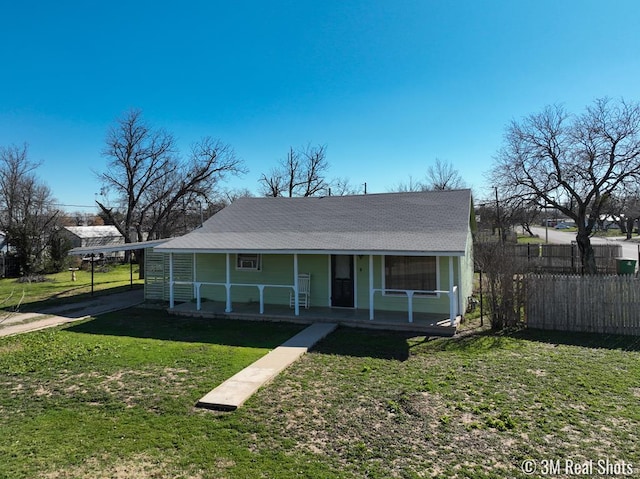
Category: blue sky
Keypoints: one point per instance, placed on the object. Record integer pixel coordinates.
(388, 86)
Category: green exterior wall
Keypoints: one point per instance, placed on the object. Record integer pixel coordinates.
(275, 270)
(468, 271)
(278, 270)
(389, 302)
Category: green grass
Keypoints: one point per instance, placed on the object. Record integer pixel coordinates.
(59, 287)
(527, 239)
(612, 232)
(114, 397)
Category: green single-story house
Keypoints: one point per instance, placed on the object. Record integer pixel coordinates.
(408, 253)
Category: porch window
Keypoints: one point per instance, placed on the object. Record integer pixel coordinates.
(411, 272)
(248, 262)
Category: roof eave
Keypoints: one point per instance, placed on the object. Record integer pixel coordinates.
(308, 252)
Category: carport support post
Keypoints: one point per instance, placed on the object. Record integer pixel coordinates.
(92, 268)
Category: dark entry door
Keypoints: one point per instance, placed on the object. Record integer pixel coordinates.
(342, 284)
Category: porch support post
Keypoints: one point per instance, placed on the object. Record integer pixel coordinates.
(370, 287)
(410, 306)
(261, 290)
(452, 305)
(227, 283)
(296, 298)
(355, 281)
(452, 298)
(198, 298)
(171, 298)
(195, 276)
(460, 298)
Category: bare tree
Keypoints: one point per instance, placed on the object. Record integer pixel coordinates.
(502, 274)
(440, 176)
(153, 186)
(573, 163)
(28, 216)
(623, 209)
(228, 196)
(443, 176)
(342, 187)
(302, 173)
(410, 186)
(273, 183)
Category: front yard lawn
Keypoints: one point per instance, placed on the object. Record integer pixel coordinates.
(58, 288)
(114, 397)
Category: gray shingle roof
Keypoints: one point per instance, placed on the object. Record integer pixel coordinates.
(423, 222)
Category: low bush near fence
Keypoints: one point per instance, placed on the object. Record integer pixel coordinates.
(598, 304)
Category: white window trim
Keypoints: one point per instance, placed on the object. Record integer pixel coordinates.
(401, 295)
(259, 265)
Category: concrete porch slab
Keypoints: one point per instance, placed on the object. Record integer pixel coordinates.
(424, 323)
(232, 393)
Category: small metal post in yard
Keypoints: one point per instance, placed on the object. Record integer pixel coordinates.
(92, 268)
(130, 272)
(546, 230)
(481, 302)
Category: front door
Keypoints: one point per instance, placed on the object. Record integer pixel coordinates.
(342, 284)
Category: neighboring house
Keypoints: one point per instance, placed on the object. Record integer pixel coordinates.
(400, 252)
(93, 236)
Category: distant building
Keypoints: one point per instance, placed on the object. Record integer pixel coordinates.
(86, 236)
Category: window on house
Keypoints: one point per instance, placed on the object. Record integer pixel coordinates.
(250, 262)
(411, 272)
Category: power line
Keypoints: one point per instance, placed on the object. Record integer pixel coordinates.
(74, 206)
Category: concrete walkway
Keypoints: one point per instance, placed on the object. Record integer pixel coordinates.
(232, 393)
(24, 322)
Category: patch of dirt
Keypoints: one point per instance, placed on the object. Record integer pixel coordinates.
(17, 389)
(11, 348)
(140, 466)
(131, 387)
(43, 392)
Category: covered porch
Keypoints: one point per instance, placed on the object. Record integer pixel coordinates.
(203, 286)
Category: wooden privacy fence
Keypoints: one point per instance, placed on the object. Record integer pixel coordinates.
(564, 258)
(598, 304)
(553, 258)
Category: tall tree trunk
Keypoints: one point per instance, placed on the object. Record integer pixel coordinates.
(629, 225)
(140, 259)
(586, 252)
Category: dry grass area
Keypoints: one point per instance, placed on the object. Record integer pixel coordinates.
(470, 407)
(114, 398)
(140, 466)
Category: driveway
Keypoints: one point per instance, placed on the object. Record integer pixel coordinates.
(11, 323)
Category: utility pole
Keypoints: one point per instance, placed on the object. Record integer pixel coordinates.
(498, 216)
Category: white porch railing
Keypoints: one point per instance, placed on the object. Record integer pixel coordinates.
(228, 286)
(452, 294)
(453, 300)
